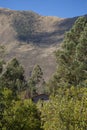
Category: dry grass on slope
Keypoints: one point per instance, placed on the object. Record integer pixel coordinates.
(47, 34)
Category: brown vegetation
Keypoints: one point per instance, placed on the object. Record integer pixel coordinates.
(48, 34)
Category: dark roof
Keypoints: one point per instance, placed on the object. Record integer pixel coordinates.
(43, 97)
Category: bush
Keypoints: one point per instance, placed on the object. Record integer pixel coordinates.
(66, 111)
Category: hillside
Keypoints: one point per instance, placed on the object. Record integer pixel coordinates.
(32, 38)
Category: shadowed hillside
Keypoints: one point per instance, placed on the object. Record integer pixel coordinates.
(32, 38)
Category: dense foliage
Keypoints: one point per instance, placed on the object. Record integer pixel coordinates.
(36, 81)
(67, 106)
(72, 57)
(19, 115)
(16, 113)
(66, 111)
(13, 77)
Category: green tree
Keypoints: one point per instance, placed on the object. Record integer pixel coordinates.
(71, 70)
(66, 111)
(13, 77)
(5, 104)
(37, 73)
(81, 55)
(35, 79)
(23, 115)
(2, 104)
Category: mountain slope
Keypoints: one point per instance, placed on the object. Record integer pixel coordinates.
(32, 38)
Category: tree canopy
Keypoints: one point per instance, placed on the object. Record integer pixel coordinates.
(66, 111)
(72, 57)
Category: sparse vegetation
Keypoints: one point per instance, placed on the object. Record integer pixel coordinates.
(25, 25)
(49, 33)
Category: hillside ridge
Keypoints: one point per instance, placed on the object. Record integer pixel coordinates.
(32, 38)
